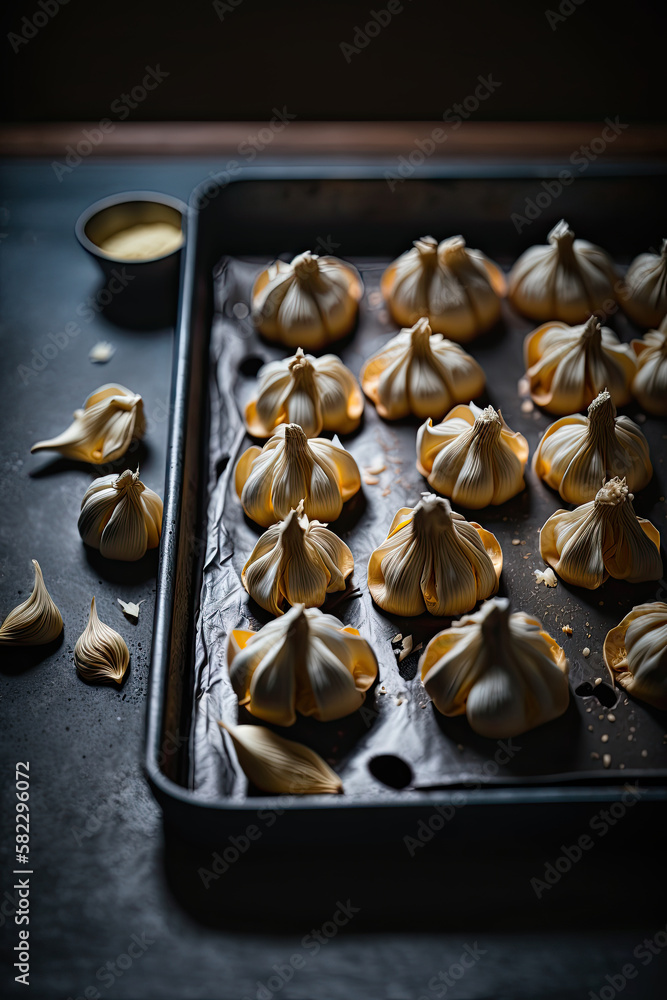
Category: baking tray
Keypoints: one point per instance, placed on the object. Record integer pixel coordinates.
(233, 230)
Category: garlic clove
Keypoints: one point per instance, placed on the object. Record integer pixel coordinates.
(280, 766)
(130, 609)
(121, 517)
(101, 654)
(36, 621)
(650, 383)
(644, 296)
(111, 418)
(635, 652)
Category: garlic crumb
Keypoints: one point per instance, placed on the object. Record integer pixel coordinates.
(644, 753)
(606, 760)
(604, 738)
(591, 728)
(585, 651)
(567, 629)
(611, 717)
(102, 352)
(598, 680)
(546, 576)
(595, 755)
(516, 541)
(370, 480)
(375, 470)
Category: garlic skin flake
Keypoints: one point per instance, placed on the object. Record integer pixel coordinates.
(101, 654)
(419, 372)
(280, 766)
(567, 279)
(501, 670)
(121, 517)
(568, 366)
(457, 289)
(578, 453)
(305, 662)
(36, 622)
(636, 653)
(309, 302)
(316, 393)
(111, 418)
(472, 456)
(602, 538)
(270, 481)
(650, 383)
(434, 560)
(644, 296)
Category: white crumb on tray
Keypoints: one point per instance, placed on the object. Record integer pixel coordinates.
(102, 352)
(546, 576)
(130, 609)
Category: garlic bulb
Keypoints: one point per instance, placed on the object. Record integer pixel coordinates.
(567, 279)
(434, 560)
(296, 561)
(316, 393)
(644, 296)
(650, 383)
(101, 654)
(457, 289)
(311, 301)
(502, 670)
(602, 538)
(280, 766)
(272, 480)
(35, 622)
(305, 662)
(102, 431)
(636, 653)
(568, 366)
(420, 373)
(121, 517)
(472, 456)
(579, 453)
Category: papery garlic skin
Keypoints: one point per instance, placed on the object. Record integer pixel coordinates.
(296, 561)
(457, 289)
(501, 670)
(305, 662)
(309, 302)
(472, 457)
(636, 653)
(420, 373)
(36, 621)
(567, 279)
(316, 393)
(578, 453)
(434, 560)
(111, 418)
(121, 517)
(101, 654)
(270, 481)
(650, 383)
(644, 296)
(280, 766)
(568, 366)
(602, 538)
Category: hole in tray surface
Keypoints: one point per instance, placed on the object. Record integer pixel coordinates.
(603, 692)
(390, 770)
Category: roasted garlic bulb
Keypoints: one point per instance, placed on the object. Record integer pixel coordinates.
(101, 654)
(289, 468)
(472, 456)
(457, 289)
(319, 394)
(310, 302)
(434, 560)
(636, 653)
(296, 561)
(567, 279)
(419, 372)
(280, 766)
(644, 295)
(568, 366)
(579, 453)
(602, 538)
(305, 662)
(121, 517)
(502, 670)
(111, 418)
(35, 622)
(650, 383)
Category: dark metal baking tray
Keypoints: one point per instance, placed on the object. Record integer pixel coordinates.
(360, 216)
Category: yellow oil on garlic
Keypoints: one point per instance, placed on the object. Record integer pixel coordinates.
(143, 241)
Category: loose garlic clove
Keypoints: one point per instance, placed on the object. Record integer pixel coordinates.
(650, 383)
(600, 539)
(312, 301)
(36, 622)
(418, 372)
(121, 517)
(316, 393)
(280, 766)
(644, 296)
(272, 480)
(457, 289)
(501, 670)
(102, 431)
(472, 457)
(636, 653)
(568, 366)
(305, 662)
(566, 280)
(296, 561)
(434, 560)
(101, 654)
(577, 453)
